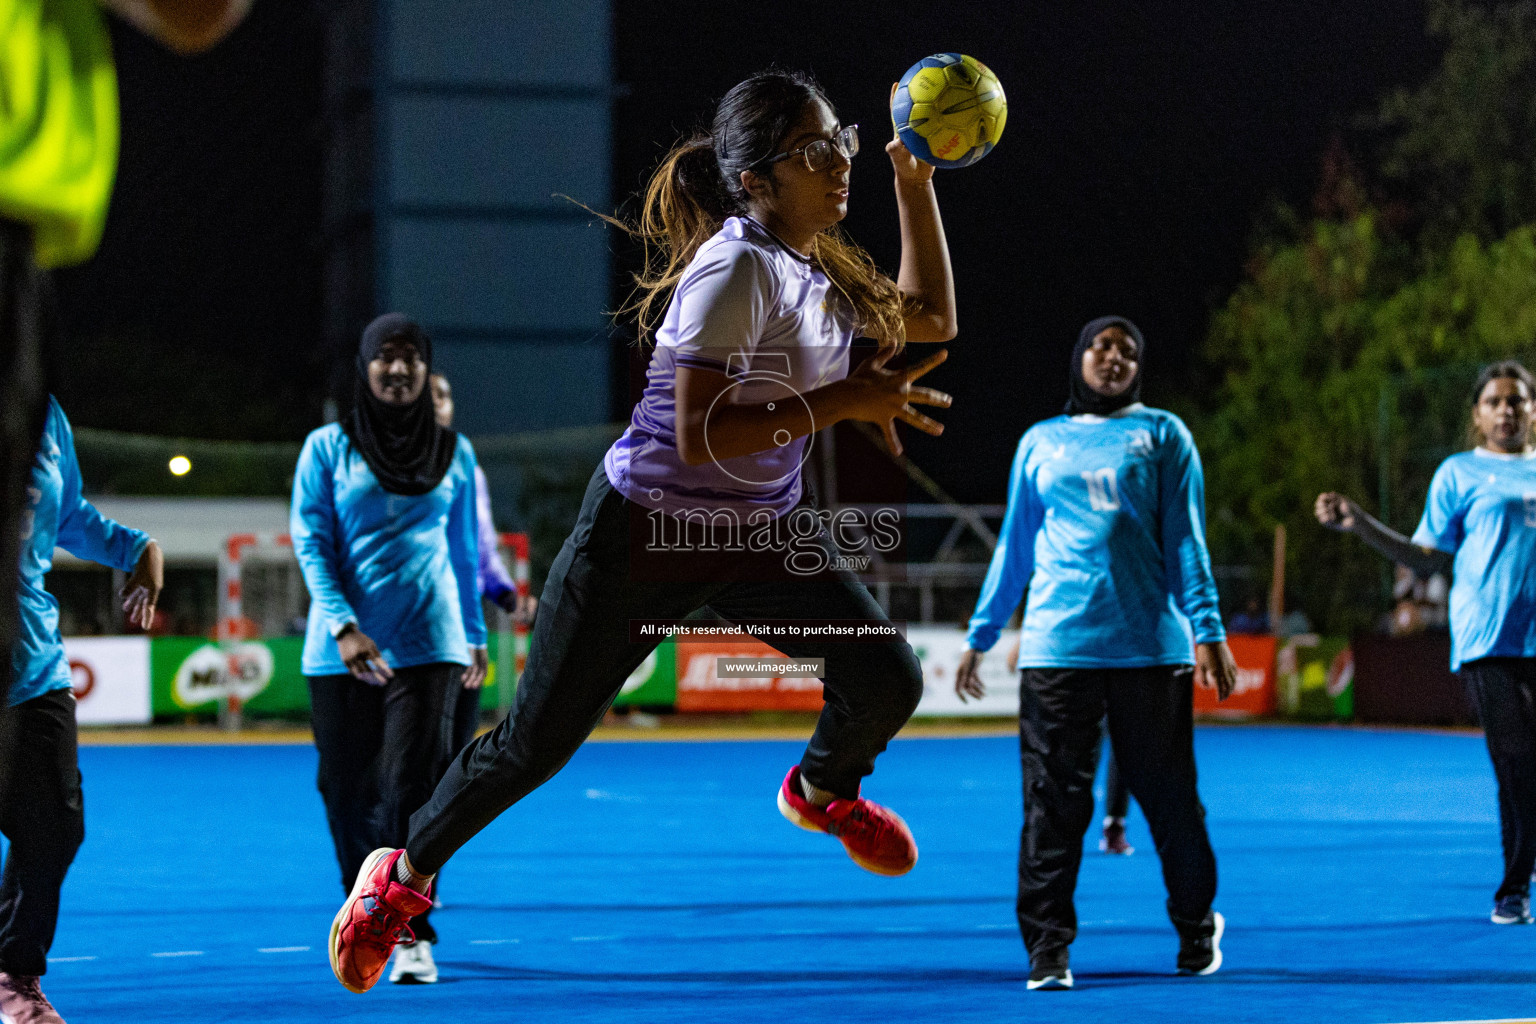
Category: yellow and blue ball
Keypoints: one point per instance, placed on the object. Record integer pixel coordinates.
(949, 110)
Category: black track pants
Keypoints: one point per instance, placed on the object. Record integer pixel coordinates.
(1151, 727)
(583, 651)
(42, 813)
(1505, 692)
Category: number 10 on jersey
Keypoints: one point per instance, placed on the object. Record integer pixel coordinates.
(1102, 493)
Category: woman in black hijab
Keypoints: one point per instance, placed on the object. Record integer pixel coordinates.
(1112, 394)
(1105, 536)
(393, 423)
(383, 525)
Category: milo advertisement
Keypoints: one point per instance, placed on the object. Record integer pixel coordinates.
(190, 675)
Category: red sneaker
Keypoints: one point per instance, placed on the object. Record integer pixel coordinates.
(372, 920)
(874, 836)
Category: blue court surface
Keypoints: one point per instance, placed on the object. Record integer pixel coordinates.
(655, 881)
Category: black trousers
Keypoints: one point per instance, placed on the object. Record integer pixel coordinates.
(1505, 692)
(28, 332)
(42, 813)
(1150, 712)
(466, 718)
(1117, 795)
(382, 749)
(582, 652)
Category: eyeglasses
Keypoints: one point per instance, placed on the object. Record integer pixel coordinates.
(818, 154)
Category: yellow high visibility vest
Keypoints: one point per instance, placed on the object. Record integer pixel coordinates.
(58, 124)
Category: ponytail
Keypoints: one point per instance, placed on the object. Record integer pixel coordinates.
(685, 203)
(697, 186)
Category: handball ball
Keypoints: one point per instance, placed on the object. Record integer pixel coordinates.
(949, 110)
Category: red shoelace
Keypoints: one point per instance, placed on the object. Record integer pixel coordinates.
(384, 926)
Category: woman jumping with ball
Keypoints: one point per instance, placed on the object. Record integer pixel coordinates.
(1480, 519)
(763, 299)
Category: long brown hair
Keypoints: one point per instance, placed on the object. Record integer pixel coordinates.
(698, 185)
(1510, 369)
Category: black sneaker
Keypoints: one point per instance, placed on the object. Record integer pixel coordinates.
(1512, 909)
(1049, 969)
(1200, 945)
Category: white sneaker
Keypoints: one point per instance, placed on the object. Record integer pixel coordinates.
(413, 965)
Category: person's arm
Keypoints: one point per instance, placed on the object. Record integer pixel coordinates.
(1186, 560)
(722, 311)
(313, 528)
(925, 279)
(1337, 512)
(711, 430)
(491, 576)
(186, 26)
(464, 557)
(85, 533)
(1013, 562)
(315, 533)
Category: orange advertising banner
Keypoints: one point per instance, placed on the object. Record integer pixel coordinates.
(700, 688)
(1255, 692)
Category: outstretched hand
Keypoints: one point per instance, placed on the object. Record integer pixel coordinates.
(522, 607)
(908, 167)
(881, 396)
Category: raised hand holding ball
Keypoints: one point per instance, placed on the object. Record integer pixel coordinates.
(949, 110)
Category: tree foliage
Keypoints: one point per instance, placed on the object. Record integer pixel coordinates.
(1463, 144)
(1345, 372)
(1347, 354)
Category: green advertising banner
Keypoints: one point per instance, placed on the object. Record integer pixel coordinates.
(654, 683)
(1316, 678)
(190, 675)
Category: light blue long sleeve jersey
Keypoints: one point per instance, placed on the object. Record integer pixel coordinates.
(1481, 508)
(57, 515)
(1106, 529)
(402, 567)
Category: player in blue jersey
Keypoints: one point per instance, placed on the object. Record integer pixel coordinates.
(763, 299)
(492, 579)
(42, 808)
(1480, 521)
(383, 525)
(1105, 533)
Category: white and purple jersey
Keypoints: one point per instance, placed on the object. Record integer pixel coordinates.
(752, 308)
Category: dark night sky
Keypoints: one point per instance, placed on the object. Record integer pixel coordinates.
(1143, 139)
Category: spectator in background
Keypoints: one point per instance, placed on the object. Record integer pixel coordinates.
(42, 808)
(1252, 619)
(1480, 521)
(1421, 603)
(1293, 623)
(383, 526)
